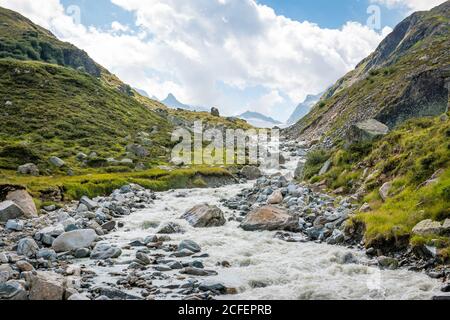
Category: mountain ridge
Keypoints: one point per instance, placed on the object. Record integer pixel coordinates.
(405, 77)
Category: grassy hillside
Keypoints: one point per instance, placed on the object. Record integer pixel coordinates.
(55, 101)
(48, 110)
(23, 40)
(405, 77)
(415, 158)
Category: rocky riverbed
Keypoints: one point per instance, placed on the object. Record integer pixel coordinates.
(267, 238)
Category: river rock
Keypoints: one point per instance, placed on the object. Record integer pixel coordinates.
(275, 198)
(24, 201)
(251, 172)
(169, 228)
(27, 247)
(189, 245)
(73, 240)
(143, 258)
(90, 204)
(14, 225)
(24, 266)
(270, 218)
(12, 290)
(46, 254)
(109, 226)
(103, 251)
(9, 210)
(198, 272)
(384, 190)
(428, 227)
(387, 262)
(47, 286)
(204, 216)
(29, 169)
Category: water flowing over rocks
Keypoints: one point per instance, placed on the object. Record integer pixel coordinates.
(240, 241)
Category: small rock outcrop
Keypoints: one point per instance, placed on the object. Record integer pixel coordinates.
(215, 112)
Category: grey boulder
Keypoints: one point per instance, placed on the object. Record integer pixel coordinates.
(204, 216)
(74, 240)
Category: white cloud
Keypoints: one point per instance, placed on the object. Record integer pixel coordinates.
(267, 102)
(188, 46)
(116, 26)
(411, 5)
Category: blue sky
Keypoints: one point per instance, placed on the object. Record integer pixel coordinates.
(237, 55)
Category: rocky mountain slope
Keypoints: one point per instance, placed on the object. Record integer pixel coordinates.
(303, 108)
(407, 76)
(382, 138)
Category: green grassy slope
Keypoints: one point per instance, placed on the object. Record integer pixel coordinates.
(23, 40)
(408, 157)
(48, 110)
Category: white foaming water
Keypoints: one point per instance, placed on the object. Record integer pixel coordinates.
(263, 267)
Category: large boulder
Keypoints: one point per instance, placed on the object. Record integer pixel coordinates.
(428, 227)
(251, 172)
(73, 240)
(215, 112)
(204, 216)
(24, 201)
(9, 210)
(270, 218)
(29, 168)
(47, 286)
(367, 131)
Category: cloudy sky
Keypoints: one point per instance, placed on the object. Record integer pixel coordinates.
(238, 55)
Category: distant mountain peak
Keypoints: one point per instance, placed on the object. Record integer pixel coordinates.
(172, 102)
(304, 108)
(258, 119)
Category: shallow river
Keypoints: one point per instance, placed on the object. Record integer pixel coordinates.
(263, 267)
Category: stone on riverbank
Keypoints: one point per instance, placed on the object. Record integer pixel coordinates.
(24, 201)
(73, 240)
